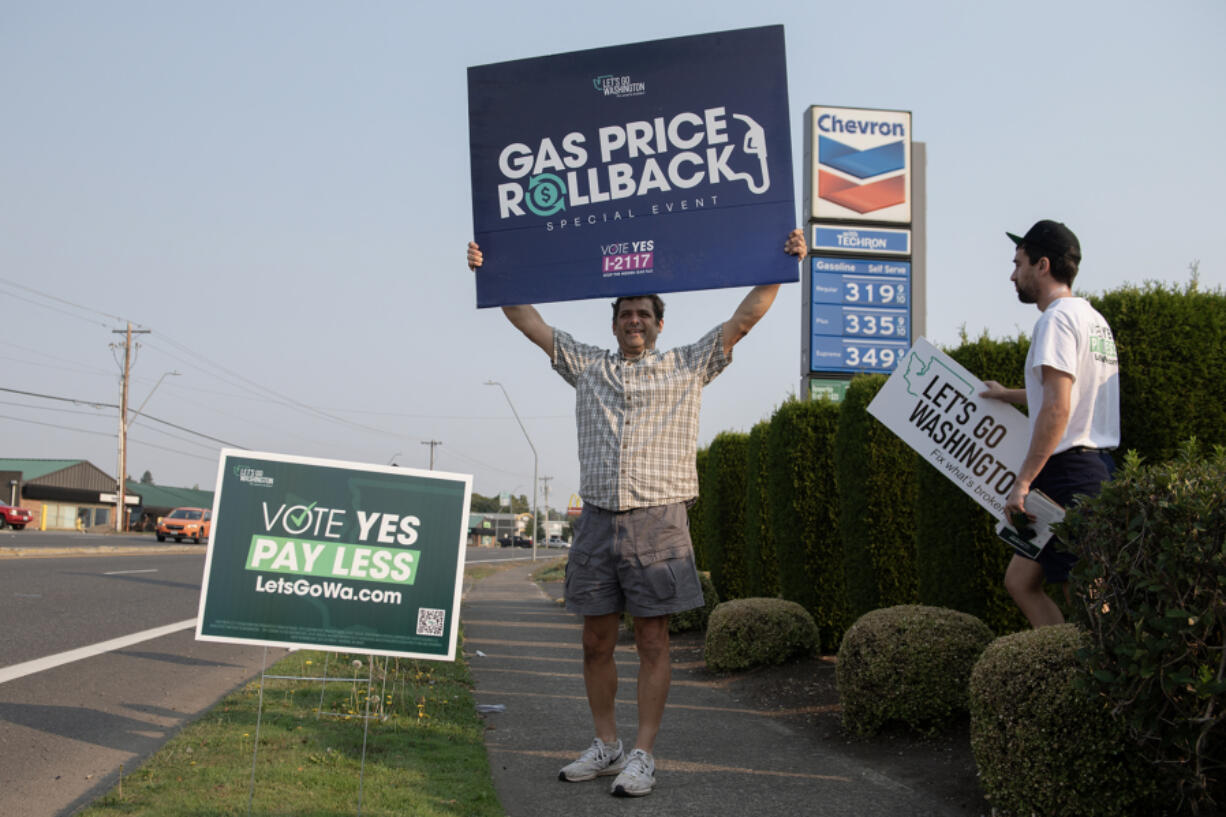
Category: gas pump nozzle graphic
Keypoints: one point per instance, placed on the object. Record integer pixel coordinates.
(754, 145)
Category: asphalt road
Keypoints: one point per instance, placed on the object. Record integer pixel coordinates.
(65, 729)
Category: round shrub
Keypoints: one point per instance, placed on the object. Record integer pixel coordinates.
(750, 632)
(908, 663)
(1040, 745)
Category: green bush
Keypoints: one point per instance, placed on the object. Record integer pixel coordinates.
(959, 558)
(696, 619)
(1041, 745)
(1152, 579)
(746, 633)
(694, 512)
(908, 663)
(723, 536)
(1172, 351)
(804, 508)
(761, 568)
(875, 471)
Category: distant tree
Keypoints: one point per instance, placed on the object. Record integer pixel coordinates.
(483, 504)
(146, 478)
(492, 504)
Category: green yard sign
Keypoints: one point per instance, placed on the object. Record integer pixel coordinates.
(336, 556)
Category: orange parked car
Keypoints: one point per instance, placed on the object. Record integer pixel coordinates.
(185, 523)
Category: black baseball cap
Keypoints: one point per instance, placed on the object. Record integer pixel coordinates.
(1052, 236)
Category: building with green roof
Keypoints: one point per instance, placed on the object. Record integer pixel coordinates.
(78, 495)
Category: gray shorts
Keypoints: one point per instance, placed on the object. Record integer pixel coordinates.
(639, 561)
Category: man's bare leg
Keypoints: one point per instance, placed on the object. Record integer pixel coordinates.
(1024, 581)
(600, 672)
(655, 676)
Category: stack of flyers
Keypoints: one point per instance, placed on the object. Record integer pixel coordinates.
(1031, 538)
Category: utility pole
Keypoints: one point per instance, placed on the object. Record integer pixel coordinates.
(121, 477)
(545, 485)
(431, 443)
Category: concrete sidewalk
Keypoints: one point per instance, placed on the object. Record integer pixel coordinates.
(713, 756)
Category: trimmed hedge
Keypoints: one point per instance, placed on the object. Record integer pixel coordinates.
(761, 566)
(804, 509)
(908, 663)
(1043, 747)
(876, 482)
(960, 560)
(695, 513)
(747, 633)
(1172, 350)
(1153, 587)
(723, 537)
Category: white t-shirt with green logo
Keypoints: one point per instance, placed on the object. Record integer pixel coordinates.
(1071, 336)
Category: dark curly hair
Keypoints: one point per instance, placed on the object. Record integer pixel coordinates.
(657, 303)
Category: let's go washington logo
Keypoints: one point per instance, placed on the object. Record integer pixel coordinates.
(252, 476)
(613, 85)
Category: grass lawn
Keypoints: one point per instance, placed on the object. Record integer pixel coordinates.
(554, 571)
(425, 753)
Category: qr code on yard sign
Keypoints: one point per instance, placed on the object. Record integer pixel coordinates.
(430, 621)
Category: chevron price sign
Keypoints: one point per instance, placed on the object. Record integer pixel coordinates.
(864, 280)
(862, 170)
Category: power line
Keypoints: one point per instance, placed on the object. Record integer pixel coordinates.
(276, 397)
(50, 408)
(74, 400)
(171, 450)
(73, 365)
(60, 300)
(53, 425)
(482, 463)
(252, 388)
(115, 406)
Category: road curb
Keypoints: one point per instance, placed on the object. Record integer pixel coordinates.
(98, 550)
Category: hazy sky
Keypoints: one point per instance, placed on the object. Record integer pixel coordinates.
(279, 192)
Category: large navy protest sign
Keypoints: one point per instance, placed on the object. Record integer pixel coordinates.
(336, 556)
(933, 404)
(653, 167)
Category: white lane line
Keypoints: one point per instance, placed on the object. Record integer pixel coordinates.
(51, 661)
(126, 572)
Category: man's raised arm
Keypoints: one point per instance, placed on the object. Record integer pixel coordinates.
(760, 298)
(525, 318)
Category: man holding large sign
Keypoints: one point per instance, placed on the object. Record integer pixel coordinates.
(646, 168)
(637, 416)
(1072, 389)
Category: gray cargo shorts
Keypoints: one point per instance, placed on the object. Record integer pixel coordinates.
(639, 561)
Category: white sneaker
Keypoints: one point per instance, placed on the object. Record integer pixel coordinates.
(637, 778)
(598, 760)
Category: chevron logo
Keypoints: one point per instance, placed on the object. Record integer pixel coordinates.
(862, 164)
(863, 198)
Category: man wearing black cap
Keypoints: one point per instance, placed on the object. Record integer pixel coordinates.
(1072, 389)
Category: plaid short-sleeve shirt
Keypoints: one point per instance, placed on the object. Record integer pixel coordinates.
(638, 418)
